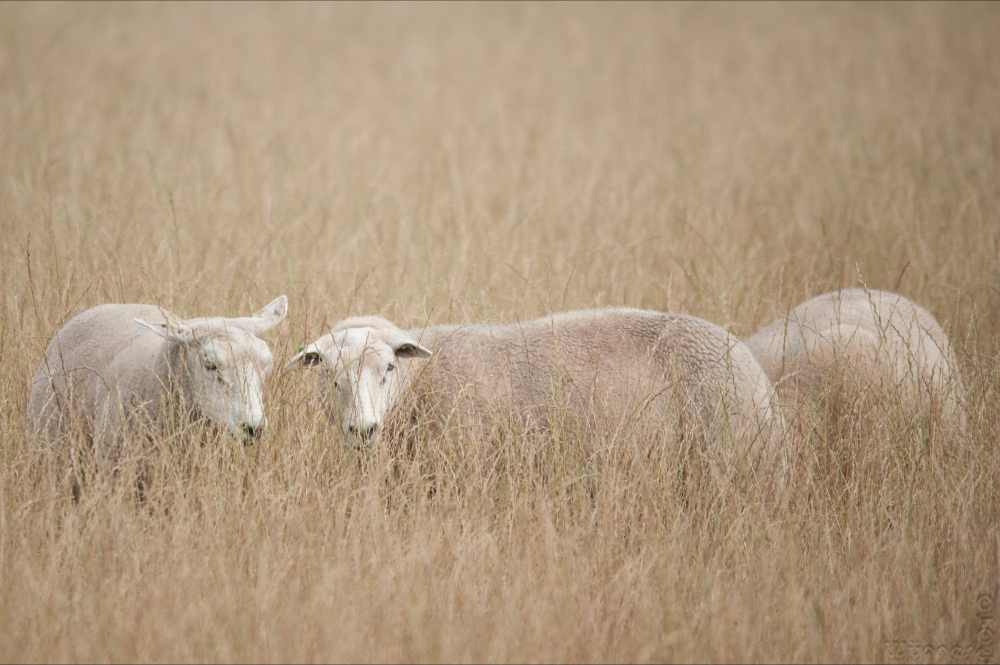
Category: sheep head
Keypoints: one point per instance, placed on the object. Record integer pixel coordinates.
(362, 372)
(225, 365)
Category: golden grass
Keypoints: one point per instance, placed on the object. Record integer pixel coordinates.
(492, 163)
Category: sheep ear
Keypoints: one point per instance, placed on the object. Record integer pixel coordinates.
(304, 359)
(407, 348)
(267, 318)
(174, 331)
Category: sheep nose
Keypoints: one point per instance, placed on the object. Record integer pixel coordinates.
(253, 433)
(364, 433)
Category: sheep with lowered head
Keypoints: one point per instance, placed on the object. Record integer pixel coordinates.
(846, 345)
(601, 368)
(116, 365)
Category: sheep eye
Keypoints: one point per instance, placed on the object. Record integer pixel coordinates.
(392, 366)
(210, 366)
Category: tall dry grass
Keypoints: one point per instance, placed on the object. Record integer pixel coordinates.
(492, 163)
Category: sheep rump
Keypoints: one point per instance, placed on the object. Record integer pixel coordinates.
(852, 344)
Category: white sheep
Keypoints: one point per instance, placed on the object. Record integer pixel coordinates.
(114, 366)
(857, 342)
(599, 367)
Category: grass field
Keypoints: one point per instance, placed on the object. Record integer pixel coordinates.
(493, 163)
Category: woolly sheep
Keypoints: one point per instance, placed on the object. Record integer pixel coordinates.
(857, 341)
(115, 364)
(599, 364)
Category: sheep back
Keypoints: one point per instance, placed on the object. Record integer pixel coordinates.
(99, 366)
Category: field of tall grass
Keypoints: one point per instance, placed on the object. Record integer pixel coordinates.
(494, 163)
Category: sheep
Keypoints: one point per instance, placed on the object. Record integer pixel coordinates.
(855, 343)
(116, 366)
(601, 367)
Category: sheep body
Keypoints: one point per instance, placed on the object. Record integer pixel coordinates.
(857, 342)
